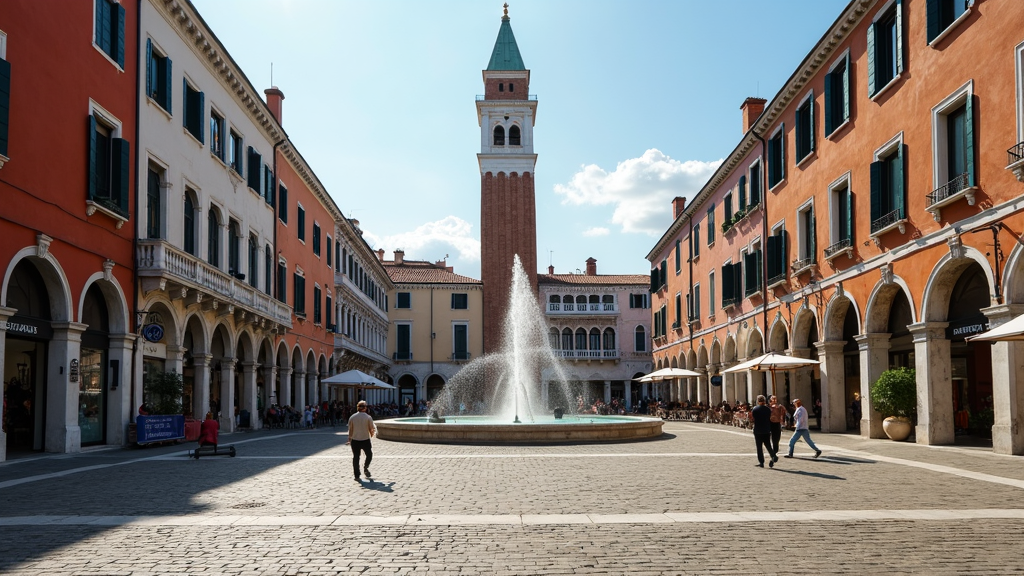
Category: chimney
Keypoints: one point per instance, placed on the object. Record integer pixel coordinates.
(752, 108)
(591, 267)
(551, 270)
(380, 254)
(399, 256)
(274, 99)
(678, 203)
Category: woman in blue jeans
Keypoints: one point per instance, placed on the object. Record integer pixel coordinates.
(800, 417)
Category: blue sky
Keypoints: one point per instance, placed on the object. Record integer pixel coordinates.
(638, 102)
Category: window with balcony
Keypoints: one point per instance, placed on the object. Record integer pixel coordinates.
(213, 237)
(460, 342)
(109, 33)
(608, 339)
(403, 300)
(194, 110)
(775, 246)
(254, 261)
(943, 14)
(460, 301)
(553, 338)
(804, 128)
(776, 159)
(595, 339)
(640, 339)
(885, 47)
(807, 245)
(608, 303)
(581, 339)
(158, 76)
(566, 339)
(953, 150)
(403, 341)
(189, 236)
(154, 201)
(888, 200)
(217, 135)
(837, 94)
(841, 220)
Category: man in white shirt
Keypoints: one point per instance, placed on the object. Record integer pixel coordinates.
(360, 429)
(800, 418)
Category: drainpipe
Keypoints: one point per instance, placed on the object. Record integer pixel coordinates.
(135, 227)
(431, 329)
(689, 263)
(277, 202)
(764, 242)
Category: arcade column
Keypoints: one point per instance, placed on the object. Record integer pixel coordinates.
(874, 359)
(934, 383)
(1007, 383)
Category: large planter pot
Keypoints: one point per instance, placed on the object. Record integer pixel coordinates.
(897, 428)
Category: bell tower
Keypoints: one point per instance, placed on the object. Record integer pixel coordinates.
(508, 212)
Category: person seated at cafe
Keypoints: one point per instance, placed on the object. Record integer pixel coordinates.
(208, 431)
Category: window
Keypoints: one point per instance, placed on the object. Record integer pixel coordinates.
(213, 238)
(727, 207)
(109, 33)
(732, 283)
(581, 339)
(755, 184)
(235, 151)
(566, 339)
(807, 236)
(234, 248)
(268, 269)
(403, 341)
(639, 301)
(329, 312)
(776, 160)
(513, 136)
(741, 201)
(268, 185)
(695, 303)
(841, 220)
(403, 300)
(837, 94)
(109, 165)
(299, 298)
(329, 250)
(511, 87)
(885, 47)
(282, 281)
(888, 201)
(679, 310)
(193, 114)
(301, 222)
(154, 200)
(254, 179)
(595, 339)
(460, 301)
(776, 249)
(282, 204)
(640, 339)
(338, 256)
(217, 135)
(679, 256)
(805, 128)
(158, 76)
(316, 238)
(189, 224)
(752, 272)
(608, 339)
(711, 294)
(316, 304)
(254, 261)
(695, 241)
(499, 135)
(953, 149)
(711, 225)
(460, 342)
(942, 14)
(501, 86)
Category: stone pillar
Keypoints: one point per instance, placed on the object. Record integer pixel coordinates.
(119, 395)
(702, 387)
(5, 314)
(833, 387)
(874, 359)
(270, 384)
(227, 394)
(607, 391)
(800, 378)
(248, 400)
(201, 385)
(62, 432)
(645, 390)
(1007, 385)
(627, 391)
(299, 381)
(715, 392)
(934, 383)
(311, 387)
(323, 389)
(284, 377)
(175, 360)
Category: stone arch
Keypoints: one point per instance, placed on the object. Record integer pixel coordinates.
(944, 275)
(755, 343)
(113, 296)
(876, 316)
(702, 356)
(228, 335)
(56, 281)
(729, 350)
(716, 351)
(171, 323)
(778, 335)
(283, 358)
(673, 363)
(691, 360)
(1013, 276)
(196, 327)
(246, 349)
(835, 316)
(805, 324)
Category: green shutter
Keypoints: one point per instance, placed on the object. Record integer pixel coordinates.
(5, 104)
(877, 172)
(199, 117)
(727, 283)
(782, 156)
(969, 138)
(121, 164)
(93, 172)
(743, 193)
(812, 237)
(811, 127)
(150, 72)
(98, 17)
(105, 38)
(934, 23)
(760, 268)
(773, 252)
(829, 79)
(849, 214)
(846, 89)
(119, 52)
(168, 82)
(253, 175)
(898, 196)
(783, 259)
(899, 36)
(799, 127)
(871, 60)
(184, 102)
(737, 277)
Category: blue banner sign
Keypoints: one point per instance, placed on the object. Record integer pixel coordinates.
(159, 428)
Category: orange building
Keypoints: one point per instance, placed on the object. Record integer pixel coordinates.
(889, 230)
(66, 153)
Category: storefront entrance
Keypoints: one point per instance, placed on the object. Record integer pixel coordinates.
(24, 393)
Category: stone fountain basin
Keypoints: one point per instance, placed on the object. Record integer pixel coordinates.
(486, 430)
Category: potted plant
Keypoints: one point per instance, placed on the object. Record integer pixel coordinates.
(163, 391)
(894, 395)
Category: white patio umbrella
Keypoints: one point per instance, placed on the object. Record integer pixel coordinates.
(771, 362)
(668, 374)
(1012, 330)
(357, 379)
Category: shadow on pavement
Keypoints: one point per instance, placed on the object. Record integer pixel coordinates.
(378, 486)
(814, 474)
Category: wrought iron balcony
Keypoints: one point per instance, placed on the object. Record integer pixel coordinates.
(881, 224)
(587, 354)
(1015, 157)
(164, 267)
(727, 302)
(601, 308)
(958, 187)
(844, 245)
(777, 279)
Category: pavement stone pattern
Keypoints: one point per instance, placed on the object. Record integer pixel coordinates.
(691, 502)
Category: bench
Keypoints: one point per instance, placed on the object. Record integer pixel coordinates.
(209, 450)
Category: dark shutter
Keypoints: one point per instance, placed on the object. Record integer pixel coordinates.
(871, 60)
(5, 104)
(282, 204)
(119, 53)
(727, 284)
(150, 68)
(812, 238)
(168, 82)
(829, 80)
(743, 193)
(968, 138)
(654, 280)
(934, 21)
(899, 198)
(810, 129)
(799, 128)
(121, 163)
(849, 215)
(877, 174)
(737, 277)
(93, 169)
(184, 102)
(846, 88)
(255, 163)
(199, 118)
(98, 17)
(783, 255)
(773, 256)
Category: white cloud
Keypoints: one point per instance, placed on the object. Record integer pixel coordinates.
(641, 189)
(597, 231)
(432, 241)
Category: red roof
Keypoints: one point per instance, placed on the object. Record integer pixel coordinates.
(419, 272)
(595, 280)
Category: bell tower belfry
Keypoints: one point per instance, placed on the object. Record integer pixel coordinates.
(508, 212)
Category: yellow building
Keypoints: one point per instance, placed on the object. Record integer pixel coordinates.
(436, 325)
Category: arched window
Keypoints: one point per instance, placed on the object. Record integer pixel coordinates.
(553, 338)
(640, 345)
(567, 305)
(554, 303)
(511, 87)
(189, 242)
(595, 339)
(501, 86)
(566, 339)
(499, 135)
(581, 339)
(213, 238)
(581, 303)
(609, 339)
(567, 299)
(554, 299)
(513, 136)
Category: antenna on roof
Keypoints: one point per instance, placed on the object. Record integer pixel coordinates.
(271, 73)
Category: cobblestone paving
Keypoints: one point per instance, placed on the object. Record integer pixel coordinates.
(287, 505)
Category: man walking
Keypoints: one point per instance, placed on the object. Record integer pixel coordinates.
(778, 417)
(360, 429)
(763, 432)
(800, 418)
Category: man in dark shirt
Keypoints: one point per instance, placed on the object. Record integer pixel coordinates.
(762, 416)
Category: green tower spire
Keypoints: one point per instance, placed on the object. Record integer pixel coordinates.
(506, 52)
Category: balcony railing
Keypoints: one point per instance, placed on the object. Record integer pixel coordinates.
(591, 308)
(886, 221)
(844, 244)
(727, 302)
(777, 279)
(802, 263)
(954, 186)
(460, 356)
(1015, 154)
(587, 354)
(157, 259)
(480, 97)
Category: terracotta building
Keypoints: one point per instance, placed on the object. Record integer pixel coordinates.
(887, 230)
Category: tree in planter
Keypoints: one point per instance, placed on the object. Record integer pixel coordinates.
(163, 391)
(894, 395)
